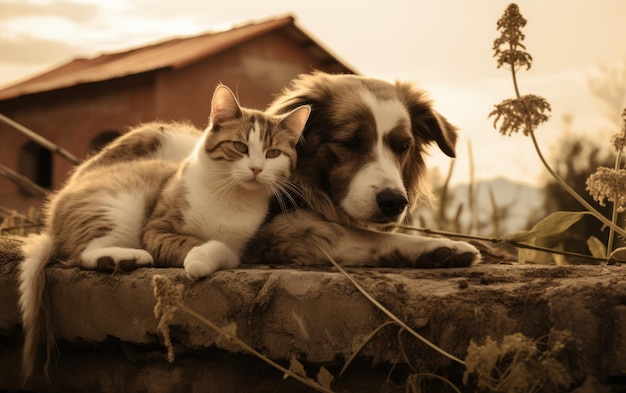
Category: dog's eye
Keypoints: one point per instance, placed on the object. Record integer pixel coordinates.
(350, 143)
(353, 142)
(240, 147)
(403, 147)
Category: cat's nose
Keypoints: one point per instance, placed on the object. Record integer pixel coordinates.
(256, 170)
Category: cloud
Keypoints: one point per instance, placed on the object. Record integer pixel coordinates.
(76, 12)
(29, 50)
(37, 34)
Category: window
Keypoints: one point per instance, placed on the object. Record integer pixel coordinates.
(35, 162)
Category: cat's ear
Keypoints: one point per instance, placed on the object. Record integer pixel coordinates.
(224, 106)
(296, 119)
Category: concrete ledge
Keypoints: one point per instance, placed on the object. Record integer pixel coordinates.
(318, 316)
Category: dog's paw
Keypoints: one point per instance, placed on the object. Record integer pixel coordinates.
(449, 254)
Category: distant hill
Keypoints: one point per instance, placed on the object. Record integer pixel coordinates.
(516, 203)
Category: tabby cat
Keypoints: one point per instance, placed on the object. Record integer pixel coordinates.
(121, 213)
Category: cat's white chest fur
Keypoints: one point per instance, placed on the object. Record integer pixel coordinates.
(217, 213)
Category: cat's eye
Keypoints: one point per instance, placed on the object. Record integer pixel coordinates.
(272, 153)
(240, 147)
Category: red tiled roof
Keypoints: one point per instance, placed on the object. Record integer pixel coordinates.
(175, 53)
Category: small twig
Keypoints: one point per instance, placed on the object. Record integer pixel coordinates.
(360, 348)
(40, 140)
(22, 181)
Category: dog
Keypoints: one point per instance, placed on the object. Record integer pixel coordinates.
(360, 173)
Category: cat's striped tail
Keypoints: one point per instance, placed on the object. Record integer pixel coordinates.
(34, 302)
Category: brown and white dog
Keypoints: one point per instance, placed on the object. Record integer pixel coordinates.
(360, 171)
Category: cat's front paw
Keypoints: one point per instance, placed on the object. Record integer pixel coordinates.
(197, 269)
(111, 259)
(206, 259)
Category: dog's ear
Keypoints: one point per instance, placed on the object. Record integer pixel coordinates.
(442, 132)
(306, 89)
(314, 91)
(426, 123)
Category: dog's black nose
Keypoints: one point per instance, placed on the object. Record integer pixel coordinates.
(391, 203)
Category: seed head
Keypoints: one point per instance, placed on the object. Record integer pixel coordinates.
(608, 184)
(619, 140)
(525, 113)
(508, 48)
(169, 297)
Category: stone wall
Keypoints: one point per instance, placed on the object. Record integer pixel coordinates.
(108, 340)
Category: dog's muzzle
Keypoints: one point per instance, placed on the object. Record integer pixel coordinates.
(391, 203)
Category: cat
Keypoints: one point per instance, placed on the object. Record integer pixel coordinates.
(121, 212)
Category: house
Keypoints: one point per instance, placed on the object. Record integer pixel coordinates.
(87, 102)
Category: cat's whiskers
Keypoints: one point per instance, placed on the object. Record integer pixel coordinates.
(290, 188)
(222, 182)
(283, 188)
(278, 193)
(232, 180)
(226, 187)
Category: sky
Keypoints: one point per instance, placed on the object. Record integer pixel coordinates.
(444, 46)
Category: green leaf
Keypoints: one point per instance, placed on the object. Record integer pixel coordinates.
(556, 223)
(325, 378)
(596, 247)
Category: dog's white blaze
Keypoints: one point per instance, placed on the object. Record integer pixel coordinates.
(383, 172)
(386, 113)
